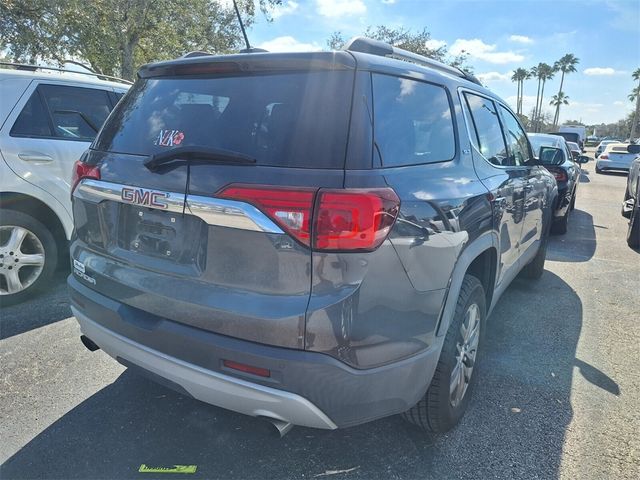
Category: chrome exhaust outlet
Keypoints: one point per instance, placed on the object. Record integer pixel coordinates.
(281, 426)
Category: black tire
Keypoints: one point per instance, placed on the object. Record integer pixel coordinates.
(435, 412)
(572, 205)
(560, 225)
(49, 247)
(633, 234)
(535, 268)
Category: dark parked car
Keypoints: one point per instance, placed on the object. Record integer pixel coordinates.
(631, 204)
(562, 165)
(313, 238)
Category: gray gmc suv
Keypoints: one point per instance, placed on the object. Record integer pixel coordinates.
(313, 238)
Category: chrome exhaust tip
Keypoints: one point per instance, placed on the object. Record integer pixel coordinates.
(281, 426)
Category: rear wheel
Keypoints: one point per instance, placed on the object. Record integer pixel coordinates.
(28, 256)
(560, 225)
(448, 395)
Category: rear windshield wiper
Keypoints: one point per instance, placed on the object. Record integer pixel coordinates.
(197, 154)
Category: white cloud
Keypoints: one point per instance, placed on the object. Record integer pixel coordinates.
(521, 39)
(435, 44)
(488, 77)
(389, 2)
(288, 44)
(286, 8)
(476, 48)
(600, 71)
(528, 102)
(619, 103)
(340, 8)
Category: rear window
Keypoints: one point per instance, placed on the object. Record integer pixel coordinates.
(413, 123)
(289, 119)
(619, 148)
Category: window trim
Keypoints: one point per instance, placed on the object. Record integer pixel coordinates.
(39, 91)
(465, 107)
(454, 123)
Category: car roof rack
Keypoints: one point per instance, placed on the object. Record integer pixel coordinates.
(33, 68)
(382, 49)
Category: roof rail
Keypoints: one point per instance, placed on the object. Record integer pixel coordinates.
(382, 49)
(33, 68)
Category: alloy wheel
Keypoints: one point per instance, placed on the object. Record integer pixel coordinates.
(466, 351)
(21, 259)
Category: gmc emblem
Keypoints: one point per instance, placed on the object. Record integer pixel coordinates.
(141, 196)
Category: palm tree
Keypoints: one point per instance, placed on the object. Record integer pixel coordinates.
(636, 94)
(535, 73)
(567, 64)
(519, 76)
(542, 72)
(558, 99)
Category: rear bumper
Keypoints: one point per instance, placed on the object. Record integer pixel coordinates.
(613, 165)
(205, 385)
(305, 388)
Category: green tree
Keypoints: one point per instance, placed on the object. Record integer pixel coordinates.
(116, 36)
(519, 76)
(567, 64)
(635, 95)
(416, 42)
(558, 99)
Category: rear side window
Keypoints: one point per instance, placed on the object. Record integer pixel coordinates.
(413, 121)
(33, 120)
(284, 119)
(486, 127)
(72, 113)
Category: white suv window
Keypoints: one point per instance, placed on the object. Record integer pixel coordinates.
(63, 112)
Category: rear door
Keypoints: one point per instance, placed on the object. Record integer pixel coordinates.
(503, 179)
(49, 130)
(217, 261)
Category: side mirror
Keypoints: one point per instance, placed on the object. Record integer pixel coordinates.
(583, 159)
(550, 156)
(633, 148)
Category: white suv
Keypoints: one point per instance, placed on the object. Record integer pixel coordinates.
(48, 118)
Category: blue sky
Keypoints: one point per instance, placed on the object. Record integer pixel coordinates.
(500, 36)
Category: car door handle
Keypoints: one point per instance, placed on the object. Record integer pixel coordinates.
(35, 157)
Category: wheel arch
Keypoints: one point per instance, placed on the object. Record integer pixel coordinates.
(39, 210)
(479, 258)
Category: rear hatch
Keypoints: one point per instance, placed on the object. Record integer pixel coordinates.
(620, 155)
(165, 228)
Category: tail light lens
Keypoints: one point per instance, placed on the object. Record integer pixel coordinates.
(604, 156)
(82, 170)
(559, 174)
(329, 220)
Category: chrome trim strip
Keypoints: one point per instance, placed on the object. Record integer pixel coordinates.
(213, 211)
(206, 385)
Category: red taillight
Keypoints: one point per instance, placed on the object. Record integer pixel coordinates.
(559, 174)
(604, 156)
(354, 219)
(288, 207)
(337, 220)
(82, 170)
(261, 372)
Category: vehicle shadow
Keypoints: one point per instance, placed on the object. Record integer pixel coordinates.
(49, 306)
(578, 244)
(514, 428)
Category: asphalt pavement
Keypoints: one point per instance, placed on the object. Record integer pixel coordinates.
(557, 395)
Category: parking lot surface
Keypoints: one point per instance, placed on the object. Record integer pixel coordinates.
(557, 393)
